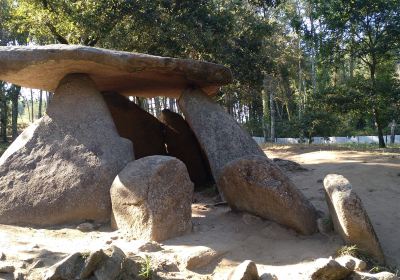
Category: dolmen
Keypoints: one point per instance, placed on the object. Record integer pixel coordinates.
(95, 155)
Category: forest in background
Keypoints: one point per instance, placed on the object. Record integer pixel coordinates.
(301, 68)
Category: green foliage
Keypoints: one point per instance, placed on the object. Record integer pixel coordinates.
(334, 60)
(146, 269)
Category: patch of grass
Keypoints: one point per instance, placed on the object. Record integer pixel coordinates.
(347, 251)
(146, 271)
(372, 265)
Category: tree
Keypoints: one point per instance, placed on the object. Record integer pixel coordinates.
(370, 32)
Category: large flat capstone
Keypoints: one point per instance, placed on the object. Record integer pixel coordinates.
(128, 73)
(61, 168)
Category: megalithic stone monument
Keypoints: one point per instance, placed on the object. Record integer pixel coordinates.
(60, 169)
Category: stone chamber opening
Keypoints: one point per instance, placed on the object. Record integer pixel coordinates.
(167, 135)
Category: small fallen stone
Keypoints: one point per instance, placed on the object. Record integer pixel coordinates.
(19, 276)
(247, 270)
(112, 266)
(109, 242)
(200, 257)
(85, 227)
(68, 268)
(37, 264)
(268, 276)
(352, 263)
(150, 247)
(4, 268)
(114, 237)
(328, 269)
(92, 263)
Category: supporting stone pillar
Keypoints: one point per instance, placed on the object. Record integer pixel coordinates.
(61, 168)
(245, 176)
(219, 135)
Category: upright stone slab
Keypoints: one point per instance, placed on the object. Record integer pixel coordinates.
(61, 168)
(144, 130)
(219, 135)
(350, 219)
(182, 144)
(152, 198)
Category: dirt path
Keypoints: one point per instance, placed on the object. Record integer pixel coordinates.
(229, 238)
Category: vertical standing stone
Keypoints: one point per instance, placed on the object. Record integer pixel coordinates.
(61, 168)
(182, 144)
(349, 217)
(220, 136)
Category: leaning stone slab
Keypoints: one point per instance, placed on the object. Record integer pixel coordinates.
(151, 199)
(349, 217)
(144, 130)
(219, 135)
(135, 74)
(256, 185)
(182, 144)
(61, 168)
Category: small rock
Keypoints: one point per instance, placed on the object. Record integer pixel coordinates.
(37, 264)
(352, 263)
(328, 269)
(200, 257)
(114, 237)
(92, 263)
(268, 276)
(378, 276)
(85, 227)
(112, 267)
(247, 270)
(150, 247)
(2, 256)
(4, 268)
(109, 242)
(19, 276)
(68, 268)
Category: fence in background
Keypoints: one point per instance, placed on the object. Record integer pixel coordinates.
(332, 140)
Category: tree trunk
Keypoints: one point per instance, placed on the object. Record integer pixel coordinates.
(272, 110)
(40, 104)
(33, 115)
(392, 132)
(378, 122)
(171, 104)
(157, 106)
(266, 114)
(4, 117)
(15, 92)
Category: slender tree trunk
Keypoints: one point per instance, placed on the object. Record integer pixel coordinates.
(378, 122)
(272, 110)
(157, 106)
(392, 131)
(33, 115)
(313, 50)
(4, 116)
(40, 104)
(266, 114)
(14, 100)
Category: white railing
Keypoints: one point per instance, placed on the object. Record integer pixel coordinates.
(332, 140)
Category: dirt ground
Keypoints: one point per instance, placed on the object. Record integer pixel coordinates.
(225, 238)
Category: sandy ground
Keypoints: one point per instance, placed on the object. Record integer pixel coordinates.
(227, 238)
